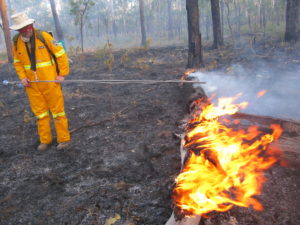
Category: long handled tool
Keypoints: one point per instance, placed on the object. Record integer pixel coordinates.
(6, 82)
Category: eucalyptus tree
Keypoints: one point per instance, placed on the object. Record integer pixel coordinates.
(170, 19)
(292, 20)
(142, 21)
(5, 27)
(216, 19)
(79, 9)
(195, 55)
(60, 34)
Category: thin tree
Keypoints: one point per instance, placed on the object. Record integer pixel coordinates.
(222, 18)
(79, 8)
(142, 21)
(292, 20)
(6, 30)
(195, 56)
(59, 32)
(170, 20)
(216, 19)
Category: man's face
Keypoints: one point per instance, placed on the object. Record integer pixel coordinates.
(27, 31)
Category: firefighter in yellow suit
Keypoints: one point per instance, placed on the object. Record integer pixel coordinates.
(33, 61)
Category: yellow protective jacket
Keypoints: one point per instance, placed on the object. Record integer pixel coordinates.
(44, 96)
(45, 65)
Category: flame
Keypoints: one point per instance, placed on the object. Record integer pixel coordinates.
(261, 93)
(187, 72)
(225, 166)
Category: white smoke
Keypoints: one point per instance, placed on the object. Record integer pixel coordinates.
(283, 89)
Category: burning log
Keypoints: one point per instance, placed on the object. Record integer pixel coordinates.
(177, 217)
(228, 164)
(288, 126)
(290, 140)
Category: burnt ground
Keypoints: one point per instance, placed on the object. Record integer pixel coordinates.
(124, 155)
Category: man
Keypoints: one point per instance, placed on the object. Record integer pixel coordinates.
(33, 61)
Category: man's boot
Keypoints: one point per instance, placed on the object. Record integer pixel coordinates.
(42, 147)
(63, 145)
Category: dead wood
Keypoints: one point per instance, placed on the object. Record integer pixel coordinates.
(289, 142)
(289, 145)
(288, 126)
(176, 219)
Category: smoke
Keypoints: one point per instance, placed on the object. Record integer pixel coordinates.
(282, 88)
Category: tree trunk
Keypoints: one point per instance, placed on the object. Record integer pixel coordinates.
(272, 12)
(178, 21)
(263, 16)
(237, 22)
(98, 26)
(216, 20)
(222, 19)
(59, 32)
(106, 27)
(170, 20)
(229, 23)
(81, 32)
(113, 22)
(292, 18)
(207, 25)
(277, 12)
(195, 57)
(248, 12)
(6, 31)
(142, 21)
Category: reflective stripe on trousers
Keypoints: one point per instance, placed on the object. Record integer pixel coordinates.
(42, 115)
(58, 114)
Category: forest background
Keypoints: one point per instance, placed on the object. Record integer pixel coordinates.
(90, 24)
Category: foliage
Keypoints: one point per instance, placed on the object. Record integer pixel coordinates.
(78, 8)
(106, 53)
(147, 46)
(124, 58)
(73, 50)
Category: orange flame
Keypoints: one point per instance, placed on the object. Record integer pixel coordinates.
(225, 166)
(261, 93)
(187, 72)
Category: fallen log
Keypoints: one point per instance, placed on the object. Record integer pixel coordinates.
(191, 96)
(288, 126)
(289, 144)
(175, 218)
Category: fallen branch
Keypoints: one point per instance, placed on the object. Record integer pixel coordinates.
(93, 124)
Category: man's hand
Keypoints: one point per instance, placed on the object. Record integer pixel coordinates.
(60, 79)
(25, 82)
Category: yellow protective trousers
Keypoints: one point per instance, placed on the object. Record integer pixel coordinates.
(45, 97)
